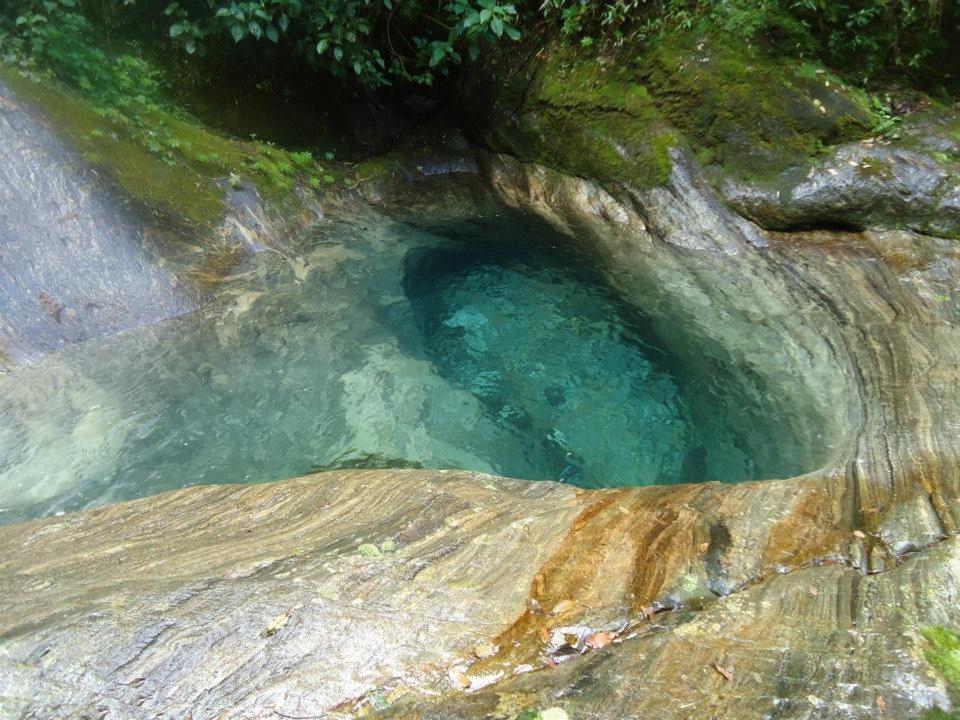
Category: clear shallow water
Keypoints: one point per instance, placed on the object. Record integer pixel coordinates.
(483, 345)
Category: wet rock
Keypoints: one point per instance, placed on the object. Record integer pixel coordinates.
(67, 241)
(804, 596)
(859, 186)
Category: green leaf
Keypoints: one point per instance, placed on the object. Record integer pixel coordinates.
(237, 32)
(358, 67)
(474, 51)
(439, 52)
(512, 32)
(322, 46)
(254, 29)
(190, 46)
(338, 53)
(272, 33)
(497, 26)
(284, 22)
(176, 30)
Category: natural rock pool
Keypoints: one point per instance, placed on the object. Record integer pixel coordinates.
(485, 343)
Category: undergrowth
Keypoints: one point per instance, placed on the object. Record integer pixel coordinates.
(115, 108)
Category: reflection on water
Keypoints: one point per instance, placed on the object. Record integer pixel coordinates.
(483, 346)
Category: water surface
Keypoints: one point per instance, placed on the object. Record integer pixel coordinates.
(484, 344)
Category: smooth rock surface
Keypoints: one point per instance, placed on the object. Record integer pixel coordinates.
(80, 260)
(422, 593)
(74, 261)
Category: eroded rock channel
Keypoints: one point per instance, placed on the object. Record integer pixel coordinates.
(427, 337)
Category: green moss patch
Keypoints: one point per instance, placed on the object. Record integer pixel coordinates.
(747, 112)
(172, 165)
(943, 653)
(105, 144)
(752, 114)
(588, 119)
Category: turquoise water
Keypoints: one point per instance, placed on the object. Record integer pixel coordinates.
(555, 360)
(484, 344)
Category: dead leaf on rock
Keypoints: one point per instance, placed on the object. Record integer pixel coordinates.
(278, 622)
(458, 678)
(545, 634)
(485, 650)
(726, 672)
(600, 639)
(562, 607)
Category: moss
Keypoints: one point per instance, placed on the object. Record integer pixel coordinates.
(141, 174)
(586, 119)
(181, 181)
(746, 112)
(943, 653)
(381, 167)
(752, 114)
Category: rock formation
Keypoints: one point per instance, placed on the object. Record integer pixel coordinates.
(442, 594)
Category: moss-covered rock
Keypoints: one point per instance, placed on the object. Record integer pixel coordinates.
(578, 114)
(748, 112)
(611, 117)
(943, 653)
(181, 176)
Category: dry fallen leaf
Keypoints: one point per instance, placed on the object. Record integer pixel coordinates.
(545, 634)
(600, 639)
(458, 678)
(562, 606)
(859, 533)
(477, 682)
(881, 704)
(485, 650)
(278, 622)
(726, 672)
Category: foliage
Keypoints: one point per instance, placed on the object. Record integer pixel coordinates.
(52, 36)
(865, 36)
(123, 122)
(378, 42)
(375, 41)
(887, 121)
